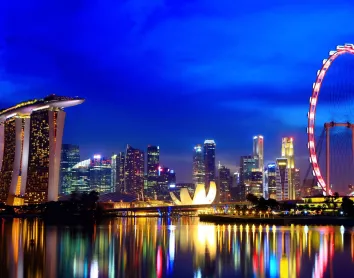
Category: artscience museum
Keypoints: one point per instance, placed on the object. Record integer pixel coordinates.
(200, 197)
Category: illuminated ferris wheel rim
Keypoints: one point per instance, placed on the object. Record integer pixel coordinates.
(341, 49)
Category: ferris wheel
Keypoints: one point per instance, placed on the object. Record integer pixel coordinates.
(328, 125)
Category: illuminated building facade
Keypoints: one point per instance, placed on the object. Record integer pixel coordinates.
(120, 172)
(209, 162)
(270, 185)
(81, 177)
(166, 180)
(255, 185)
(134, 171)
(237, 189)
(153, 164)
(282, 180)
(258, 150)
(10, 171)
(287, 151)
(247, 164)
(297, 183)
(70, 156)
(114, 172)
(224, 184)
(101, 174)
(31, 137)
(198, 165)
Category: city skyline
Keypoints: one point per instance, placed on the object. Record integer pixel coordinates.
(32, 139)
(170, 81)
(177, 138)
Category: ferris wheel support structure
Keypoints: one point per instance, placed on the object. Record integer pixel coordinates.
(340, 50)
(328, 127)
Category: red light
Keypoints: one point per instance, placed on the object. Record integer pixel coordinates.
(159, 262)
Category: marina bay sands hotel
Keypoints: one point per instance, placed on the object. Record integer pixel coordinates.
(30, 149)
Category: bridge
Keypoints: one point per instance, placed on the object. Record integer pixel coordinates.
(166, 211)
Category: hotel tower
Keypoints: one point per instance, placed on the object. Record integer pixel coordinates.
(30, 149)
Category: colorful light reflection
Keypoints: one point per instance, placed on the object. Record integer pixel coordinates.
(177, 247)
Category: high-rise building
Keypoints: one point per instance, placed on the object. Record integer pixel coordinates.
(297, 183)
(248, 163)
(166, 181)
(120, 172)
(270, 186)
(209, 162)
(81, 177)
(258, 150)
(153, 163)
(255, 185)
(282, 179)
(70, 156)
(31, 148)
(114, 172)
(236, 189)
(101, 174)
(198, 165)
(224, 184)
(287, 151)
(10, 174)
(134, 171)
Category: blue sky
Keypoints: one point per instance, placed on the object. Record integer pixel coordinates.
(173, 73)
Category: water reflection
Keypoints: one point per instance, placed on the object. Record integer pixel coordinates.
(173, 248)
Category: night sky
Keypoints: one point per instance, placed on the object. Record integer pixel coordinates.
(173, 73)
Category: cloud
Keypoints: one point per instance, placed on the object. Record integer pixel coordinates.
(173, 72)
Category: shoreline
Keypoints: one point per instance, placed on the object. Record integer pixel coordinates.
(281, 221)
(217, 219)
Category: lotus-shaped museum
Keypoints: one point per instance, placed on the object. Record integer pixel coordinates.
(200, 197)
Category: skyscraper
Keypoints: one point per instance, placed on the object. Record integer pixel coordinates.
(31, 149)
(209, 162)
(198, 165)
(282, 180)
(297, 183)
(224, 184)
(153, 163)
(270, 186)
(81, 176)
(120, 170)
(287, 151)
(166, 180)
(114, 172)
(258, 145)
(70, 156)
(255, 186)
(134, 171)
(101, 174)
(248, 164)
